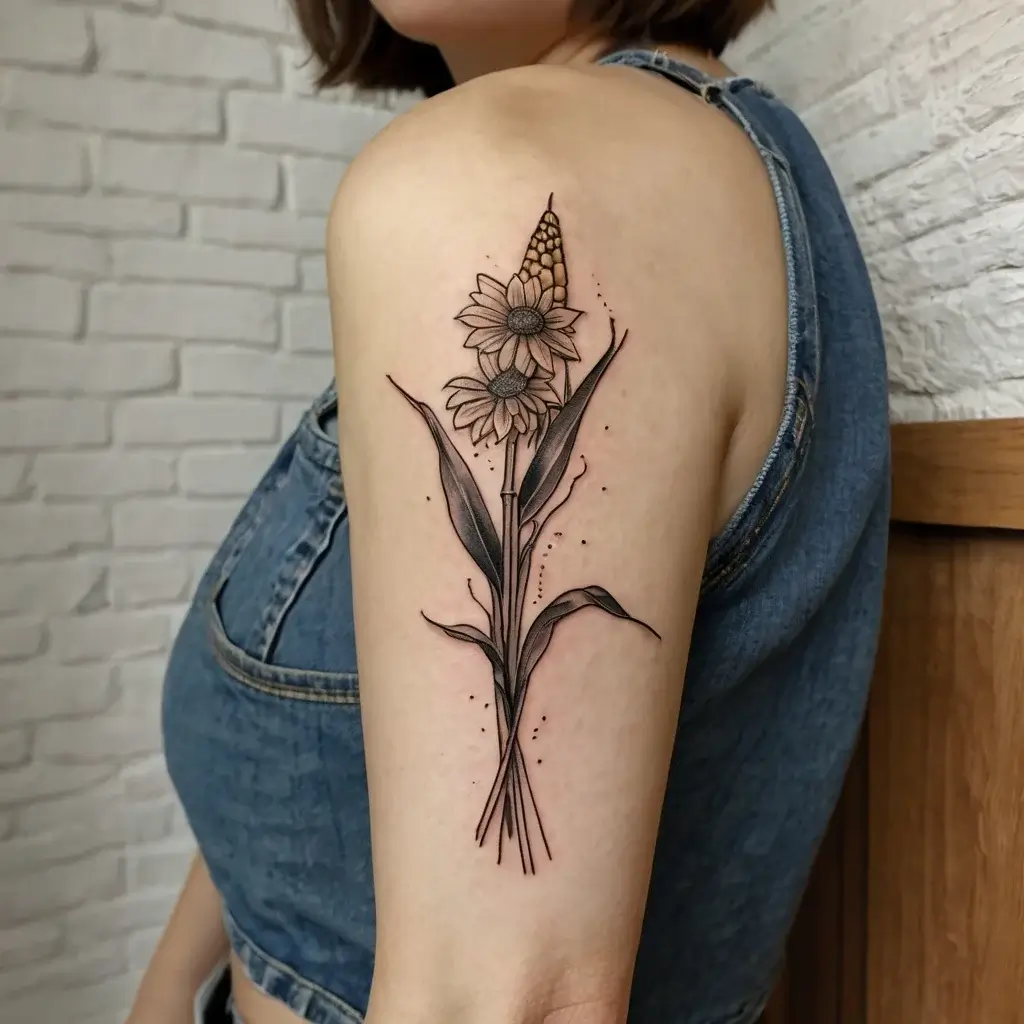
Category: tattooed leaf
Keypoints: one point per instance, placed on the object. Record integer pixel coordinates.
(548, 466)
(561, 607)
(466, 507)
(471, 635)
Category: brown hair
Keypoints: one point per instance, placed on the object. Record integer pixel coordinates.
(351, 42)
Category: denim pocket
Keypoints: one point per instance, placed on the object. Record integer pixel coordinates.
(279, 616)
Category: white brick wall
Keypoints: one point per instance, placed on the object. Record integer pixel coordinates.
(918, 106)
(164, 174)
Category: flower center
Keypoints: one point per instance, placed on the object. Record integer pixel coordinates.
(525, 320)
(508, 384)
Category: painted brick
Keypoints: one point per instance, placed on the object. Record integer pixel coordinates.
(123, 916)
(307, 325)
(136, 582)
(67, 972)
(41, 780)
(313, 274)
(188, 171)
(20, 639)
(160, 865)
(260, 15)
(212, 313)
(159, 523)
(109, 474)
(313, 182)
(12, 475)
(291, 415)
(28, 530)
(27, 423)
(28, 944)
(106, 810)
(193, 262)
(41, 161)
(46, 36)
(300, 125)
(110, 737)
(180, 421)
(32, 249)
(100, 215)
(107, 635)
(213, 371)
(15, 747)
(165, 48)
(145, 780)
(99, 1003)
(115, 104)
(37, 304)
(95, 367)
(223, 474)
(143, 946)
(60, 886)
(261, 229)
(49, 587)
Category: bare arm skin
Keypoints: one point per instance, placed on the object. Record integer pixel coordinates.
(522, 647)
(192, 945)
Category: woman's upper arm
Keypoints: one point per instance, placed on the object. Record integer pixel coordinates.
(527, 551)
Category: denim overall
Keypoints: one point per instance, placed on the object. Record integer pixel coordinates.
(261, 702)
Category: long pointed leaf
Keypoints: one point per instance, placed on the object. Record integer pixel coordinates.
(466, 507)
(472, 635)
(548, 466)
(572, 601)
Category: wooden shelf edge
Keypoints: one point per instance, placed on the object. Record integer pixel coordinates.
(966, 473)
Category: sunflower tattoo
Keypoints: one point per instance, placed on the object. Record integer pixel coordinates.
(523, 335)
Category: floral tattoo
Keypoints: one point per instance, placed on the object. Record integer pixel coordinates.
(523, 335)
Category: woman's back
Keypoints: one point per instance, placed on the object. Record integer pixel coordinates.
(729, 318)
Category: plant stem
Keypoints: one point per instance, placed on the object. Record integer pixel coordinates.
(509, 586)
(510, 559)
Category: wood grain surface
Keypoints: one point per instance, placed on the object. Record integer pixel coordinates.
(946, 784)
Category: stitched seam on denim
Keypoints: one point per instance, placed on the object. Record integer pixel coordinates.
(796, 340)
(268, 961)
(307, 553)
(248, 527)
(751, 539)
(276, 679)
(284, 690)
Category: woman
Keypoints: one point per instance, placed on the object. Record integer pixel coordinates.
(612, 420)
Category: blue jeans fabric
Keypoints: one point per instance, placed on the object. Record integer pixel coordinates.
(261, 702)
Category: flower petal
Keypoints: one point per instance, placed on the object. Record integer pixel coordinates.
(543, 392)
(515, 294)
(502, 420)
(507, 354)
(461, 397)
(532, 291)
(562, 317)
(480, 316)
(521, 424)
(524, 362)
(487, 338)
(468, 414)
(512, 404)
(541, 352)
(559, 344)
(488, 301)
(489, 364)
(487, 285)
(472, 383)
(547, 299)
(530, 402)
